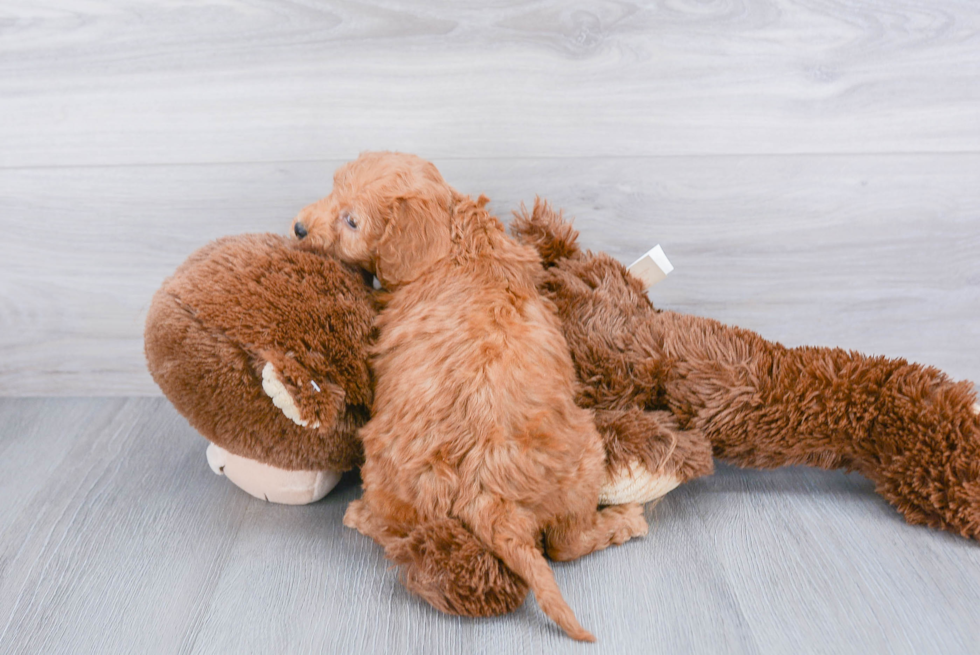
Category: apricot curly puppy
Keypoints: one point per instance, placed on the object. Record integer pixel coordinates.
(474, 416)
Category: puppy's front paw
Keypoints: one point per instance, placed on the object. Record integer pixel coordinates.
(281, 398)
(356, 515)
(630, 522)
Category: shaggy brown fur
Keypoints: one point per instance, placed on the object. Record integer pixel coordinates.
(656, 440)
(214, 324)
(444, 563)
(907, 427)
(474, 415)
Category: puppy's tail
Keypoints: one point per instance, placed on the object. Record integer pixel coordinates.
(519, 554)
(529, 563)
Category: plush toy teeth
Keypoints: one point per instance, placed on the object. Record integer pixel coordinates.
(276, 390)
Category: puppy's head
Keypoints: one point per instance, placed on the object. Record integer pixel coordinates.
(388, 213)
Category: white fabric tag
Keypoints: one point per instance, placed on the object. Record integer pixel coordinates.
(651, 267)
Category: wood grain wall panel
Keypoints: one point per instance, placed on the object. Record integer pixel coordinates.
(111, 82)
(876, 253)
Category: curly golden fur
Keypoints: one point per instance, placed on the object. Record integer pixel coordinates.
(474, 414)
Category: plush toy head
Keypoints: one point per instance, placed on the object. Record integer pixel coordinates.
(254, 316)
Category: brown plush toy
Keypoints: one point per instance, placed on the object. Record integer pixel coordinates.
(909, 428)
(261, 343)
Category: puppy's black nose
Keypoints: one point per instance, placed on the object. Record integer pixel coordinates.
(300, 230)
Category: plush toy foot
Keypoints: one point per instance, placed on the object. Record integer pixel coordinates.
(453, 571)
(648, 455)
(270, 483)
(635, 483)
(941, 487)
(923, 451)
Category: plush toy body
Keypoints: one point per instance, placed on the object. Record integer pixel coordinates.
(907, 427)
(262, 345)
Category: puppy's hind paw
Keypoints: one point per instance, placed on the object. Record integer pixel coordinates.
(628, 521)
(355, 515)
(358, 516)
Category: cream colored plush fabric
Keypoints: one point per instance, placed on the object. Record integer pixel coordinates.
(276, 390)
(270, 483)
(636, 484)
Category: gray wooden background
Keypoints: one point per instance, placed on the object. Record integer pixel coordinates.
(811, 168)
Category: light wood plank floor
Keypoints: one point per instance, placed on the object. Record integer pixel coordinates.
(122, 540)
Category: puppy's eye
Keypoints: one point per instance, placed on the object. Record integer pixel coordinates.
(349, 219)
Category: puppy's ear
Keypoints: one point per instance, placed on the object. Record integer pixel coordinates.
(416, 236)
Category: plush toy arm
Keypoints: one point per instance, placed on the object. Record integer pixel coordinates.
(907, 427)
(303, 400)
(648, 455)
(546, 231)
(281, 398)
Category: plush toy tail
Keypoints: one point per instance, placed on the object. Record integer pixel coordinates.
(907, 427)
(546, 231)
